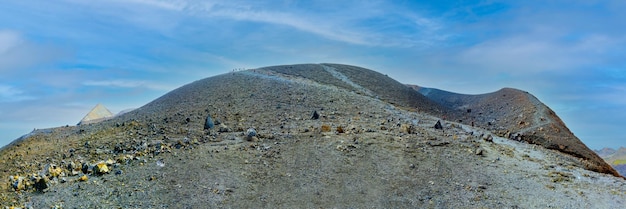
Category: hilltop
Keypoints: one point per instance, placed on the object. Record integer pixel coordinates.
(310, 135)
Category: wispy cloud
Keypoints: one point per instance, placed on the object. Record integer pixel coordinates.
(129, 84)
(16, 52)
(12, 94)
(162, 4)
(342, 22)
(528, 55)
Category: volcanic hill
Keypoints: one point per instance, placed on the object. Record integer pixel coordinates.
(310, 135)
(520, 116)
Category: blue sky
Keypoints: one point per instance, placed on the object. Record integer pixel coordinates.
(60, 58)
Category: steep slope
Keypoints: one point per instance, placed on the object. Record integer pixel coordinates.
(265, 150)
(520, 116)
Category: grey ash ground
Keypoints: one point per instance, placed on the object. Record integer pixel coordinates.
(373, 146)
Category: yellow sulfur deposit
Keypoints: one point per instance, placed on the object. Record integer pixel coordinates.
(101, 168)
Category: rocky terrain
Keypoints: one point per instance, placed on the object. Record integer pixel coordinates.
(306, 136)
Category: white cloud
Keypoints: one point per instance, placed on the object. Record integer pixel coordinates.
(129, 84)
(162, 4)
(533, 54)
(334, 24)
(319, 28)
(16, 52)
(12, 94)
(8, 41)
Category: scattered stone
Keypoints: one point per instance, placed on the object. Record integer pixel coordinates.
(325, 128)
(160, 163)
(438, 144)
(345, 148)
(315, 115)
(488, 138)
(340, 129)
(52, 170)
(73, 168)
(17, 182)
(479, 151)
(118, 172)
(407, 128)
(224, 129)
(86, 169)
(83, 178)
(438, 125)
(208, 123)
(250, 134)
(110, 162)
(41, 183)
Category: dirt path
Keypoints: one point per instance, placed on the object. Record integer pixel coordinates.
(345, 79)
(539, 116)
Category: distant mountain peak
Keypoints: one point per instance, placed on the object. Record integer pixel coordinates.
(97, 114)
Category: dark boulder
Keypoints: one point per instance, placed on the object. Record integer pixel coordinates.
(209, 123)
(315, 115)
(438, 125)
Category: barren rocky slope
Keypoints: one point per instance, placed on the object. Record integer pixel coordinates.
(367, 147)
(518, 115)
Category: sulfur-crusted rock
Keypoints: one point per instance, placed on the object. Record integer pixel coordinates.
(101, 168)
(52, 170)
(17, 183)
